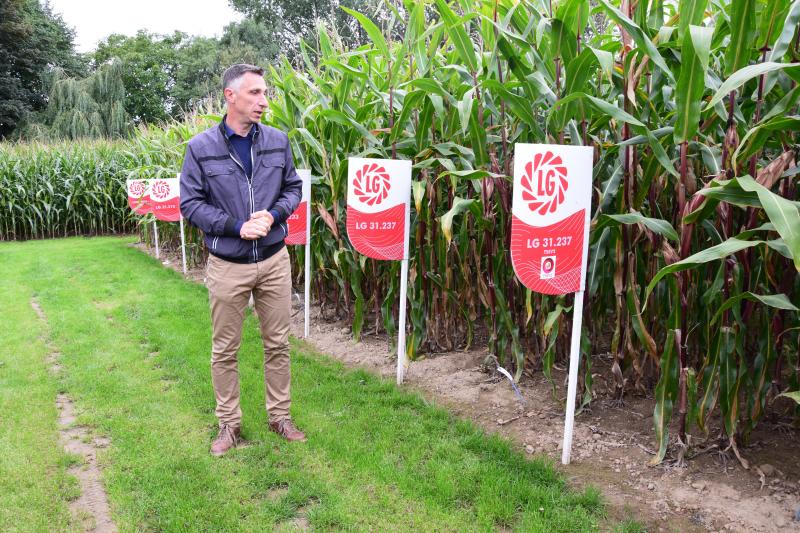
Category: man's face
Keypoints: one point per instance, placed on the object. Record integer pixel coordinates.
(249, 100)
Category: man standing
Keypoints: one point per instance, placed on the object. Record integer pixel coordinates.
(239, 186)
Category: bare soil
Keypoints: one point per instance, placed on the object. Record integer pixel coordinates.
(90, 510)
(613, 444)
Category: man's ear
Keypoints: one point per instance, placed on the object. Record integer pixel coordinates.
(229, 94)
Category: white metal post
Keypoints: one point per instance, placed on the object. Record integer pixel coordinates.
(183, 247)
(402, 360)
(155, 234)
(572, 387)
(401, 337)
(307, 299)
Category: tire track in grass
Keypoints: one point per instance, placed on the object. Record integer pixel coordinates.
(90, 508)
(158, 473)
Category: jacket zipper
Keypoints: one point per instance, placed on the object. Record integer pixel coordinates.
(250, 185)
(250, 190)
(249, 179)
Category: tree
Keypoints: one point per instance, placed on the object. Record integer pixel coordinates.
(33, 41)
(197, 75)
(200, 62)
(248, 42)
(149, 63)
(165, 76)
(290, 21)
(93, 106)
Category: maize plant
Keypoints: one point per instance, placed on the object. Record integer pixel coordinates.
(690, 107)
(75, 188)
(78, 187)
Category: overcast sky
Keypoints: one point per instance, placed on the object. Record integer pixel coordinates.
(94, 20)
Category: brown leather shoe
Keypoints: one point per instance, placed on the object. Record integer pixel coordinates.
(227, 438)
(286, 429)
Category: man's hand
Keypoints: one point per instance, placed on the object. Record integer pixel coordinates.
(263, 214)
(255, 228)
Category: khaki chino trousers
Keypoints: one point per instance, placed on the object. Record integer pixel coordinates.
(229, 288)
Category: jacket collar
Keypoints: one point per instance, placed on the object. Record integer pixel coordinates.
(230, 133)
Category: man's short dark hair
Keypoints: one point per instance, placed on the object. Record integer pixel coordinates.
(234, 74)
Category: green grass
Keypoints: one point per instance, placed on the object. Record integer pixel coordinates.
(34, 487)
(630, 525)
(134, 339)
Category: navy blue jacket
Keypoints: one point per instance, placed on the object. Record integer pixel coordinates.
(217, 196)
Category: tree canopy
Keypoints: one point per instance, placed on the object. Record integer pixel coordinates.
(149, 63)
(33, 41)
(291, 21)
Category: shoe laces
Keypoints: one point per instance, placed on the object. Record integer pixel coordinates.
(286, 425)
(228, 431)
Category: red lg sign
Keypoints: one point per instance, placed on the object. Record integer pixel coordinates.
(550, 216)
(378, 196)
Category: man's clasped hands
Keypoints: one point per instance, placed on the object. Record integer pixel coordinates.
(258, 226)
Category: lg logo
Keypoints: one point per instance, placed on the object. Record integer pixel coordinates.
(371, 185)
(160, 189)
(544, 183)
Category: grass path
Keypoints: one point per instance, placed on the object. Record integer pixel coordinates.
(134, 339)
(34, 486)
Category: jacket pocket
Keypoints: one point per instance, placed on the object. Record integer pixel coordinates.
(267, 182)
(273, 162)
(221, 181)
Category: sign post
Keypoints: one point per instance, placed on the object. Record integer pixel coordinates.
(180, 222)
(550, 236)
(166, 206)
(378, 210)
(183, 247)
(299, 232)
(155, 235)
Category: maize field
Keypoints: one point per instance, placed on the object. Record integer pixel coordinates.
(63, 189)
(691, 108)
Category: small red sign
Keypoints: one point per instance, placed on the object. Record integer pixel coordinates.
(550, 216)
(138, 199)
(378, 197)
(165, 199)
(297, 223)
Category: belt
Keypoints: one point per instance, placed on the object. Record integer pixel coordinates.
(261, 254)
